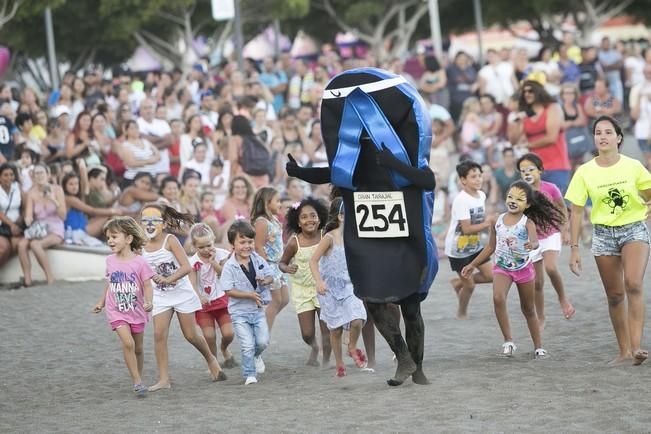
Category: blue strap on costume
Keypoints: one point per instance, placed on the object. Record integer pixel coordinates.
(362, 112)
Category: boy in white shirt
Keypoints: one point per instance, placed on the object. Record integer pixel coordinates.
(463, 241)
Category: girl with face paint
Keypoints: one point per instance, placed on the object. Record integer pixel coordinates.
(512, 239)
(545, 257)
(173, 291)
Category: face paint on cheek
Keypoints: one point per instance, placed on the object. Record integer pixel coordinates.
(152, 222)
(519, 198)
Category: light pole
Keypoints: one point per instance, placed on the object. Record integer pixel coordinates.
(51, 51)
(480, 26)
(435, 26)
(238, 36)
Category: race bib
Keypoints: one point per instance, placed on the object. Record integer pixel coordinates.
(380, 214)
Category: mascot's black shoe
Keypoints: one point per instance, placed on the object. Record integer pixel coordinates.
(406, 367)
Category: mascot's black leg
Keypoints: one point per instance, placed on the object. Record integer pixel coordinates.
(415, 334)
(389, 326)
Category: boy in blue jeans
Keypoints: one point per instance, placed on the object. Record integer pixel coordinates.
(245, 278)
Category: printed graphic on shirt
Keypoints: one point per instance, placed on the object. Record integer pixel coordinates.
(616, 200)
(202, 277)
(124, 288)
(166, 269)
(469, 244)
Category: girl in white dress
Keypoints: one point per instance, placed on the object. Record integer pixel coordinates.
(173, 291)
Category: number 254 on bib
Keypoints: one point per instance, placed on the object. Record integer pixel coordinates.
(380, 214)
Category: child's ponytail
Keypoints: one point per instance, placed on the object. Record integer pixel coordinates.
(336, 208)
(174, 220)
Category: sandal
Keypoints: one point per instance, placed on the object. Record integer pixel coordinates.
(341, 372)
(359, 358)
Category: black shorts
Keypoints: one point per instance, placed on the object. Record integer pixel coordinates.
(457, 264)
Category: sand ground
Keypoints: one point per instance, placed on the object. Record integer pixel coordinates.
(61, 370)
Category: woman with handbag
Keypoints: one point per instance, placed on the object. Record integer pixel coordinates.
(577, 135)
(45, 209)
(11, 201)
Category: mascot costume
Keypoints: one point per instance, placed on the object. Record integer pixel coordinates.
(377, 134)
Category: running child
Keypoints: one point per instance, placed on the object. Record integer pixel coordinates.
(246, 278)
(306, 219)
(545, 257)
(269, 245)
(128, 292)
(173, 291)
(207, 264)
(512, 239)
(463, 243)
(339, 307)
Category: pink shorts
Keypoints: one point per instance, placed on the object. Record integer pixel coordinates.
(527, 274)
(135, 328)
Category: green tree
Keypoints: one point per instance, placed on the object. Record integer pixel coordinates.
(387, 25)
(547, 16)
(170, 31)
(84, 31)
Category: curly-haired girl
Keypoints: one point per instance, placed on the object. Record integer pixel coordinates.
(306, 220)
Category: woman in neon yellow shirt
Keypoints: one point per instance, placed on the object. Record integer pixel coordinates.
(620, 190)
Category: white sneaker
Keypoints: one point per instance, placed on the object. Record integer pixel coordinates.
(250, 380)
(540, 353)
(508, 348)
(259, 365)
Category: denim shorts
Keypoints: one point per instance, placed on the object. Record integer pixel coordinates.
(560, 178)
(645, 145)
(609, 240)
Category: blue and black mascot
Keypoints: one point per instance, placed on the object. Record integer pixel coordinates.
(377, 134)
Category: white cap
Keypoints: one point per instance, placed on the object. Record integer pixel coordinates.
(60, 110)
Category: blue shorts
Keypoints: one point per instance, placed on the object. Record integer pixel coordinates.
(560, 178)
(609, 240)
(645, 145)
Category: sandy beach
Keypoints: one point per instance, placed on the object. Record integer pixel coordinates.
(61, 370)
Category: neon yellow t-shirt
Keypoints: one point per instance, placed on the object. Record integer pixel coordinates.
(614, 191)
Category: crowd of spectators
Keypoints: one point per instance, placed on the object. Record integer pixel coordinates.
(204, 141)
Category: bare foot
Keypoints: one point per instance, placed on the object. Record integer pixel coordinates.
(568, 310)
(159, 386)
(216, 372)
(461, 316)
(419, 377)
(639, 356)
(456, 285)
(314, 354)
(406, 367)
(230, 363)
(619, 360)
